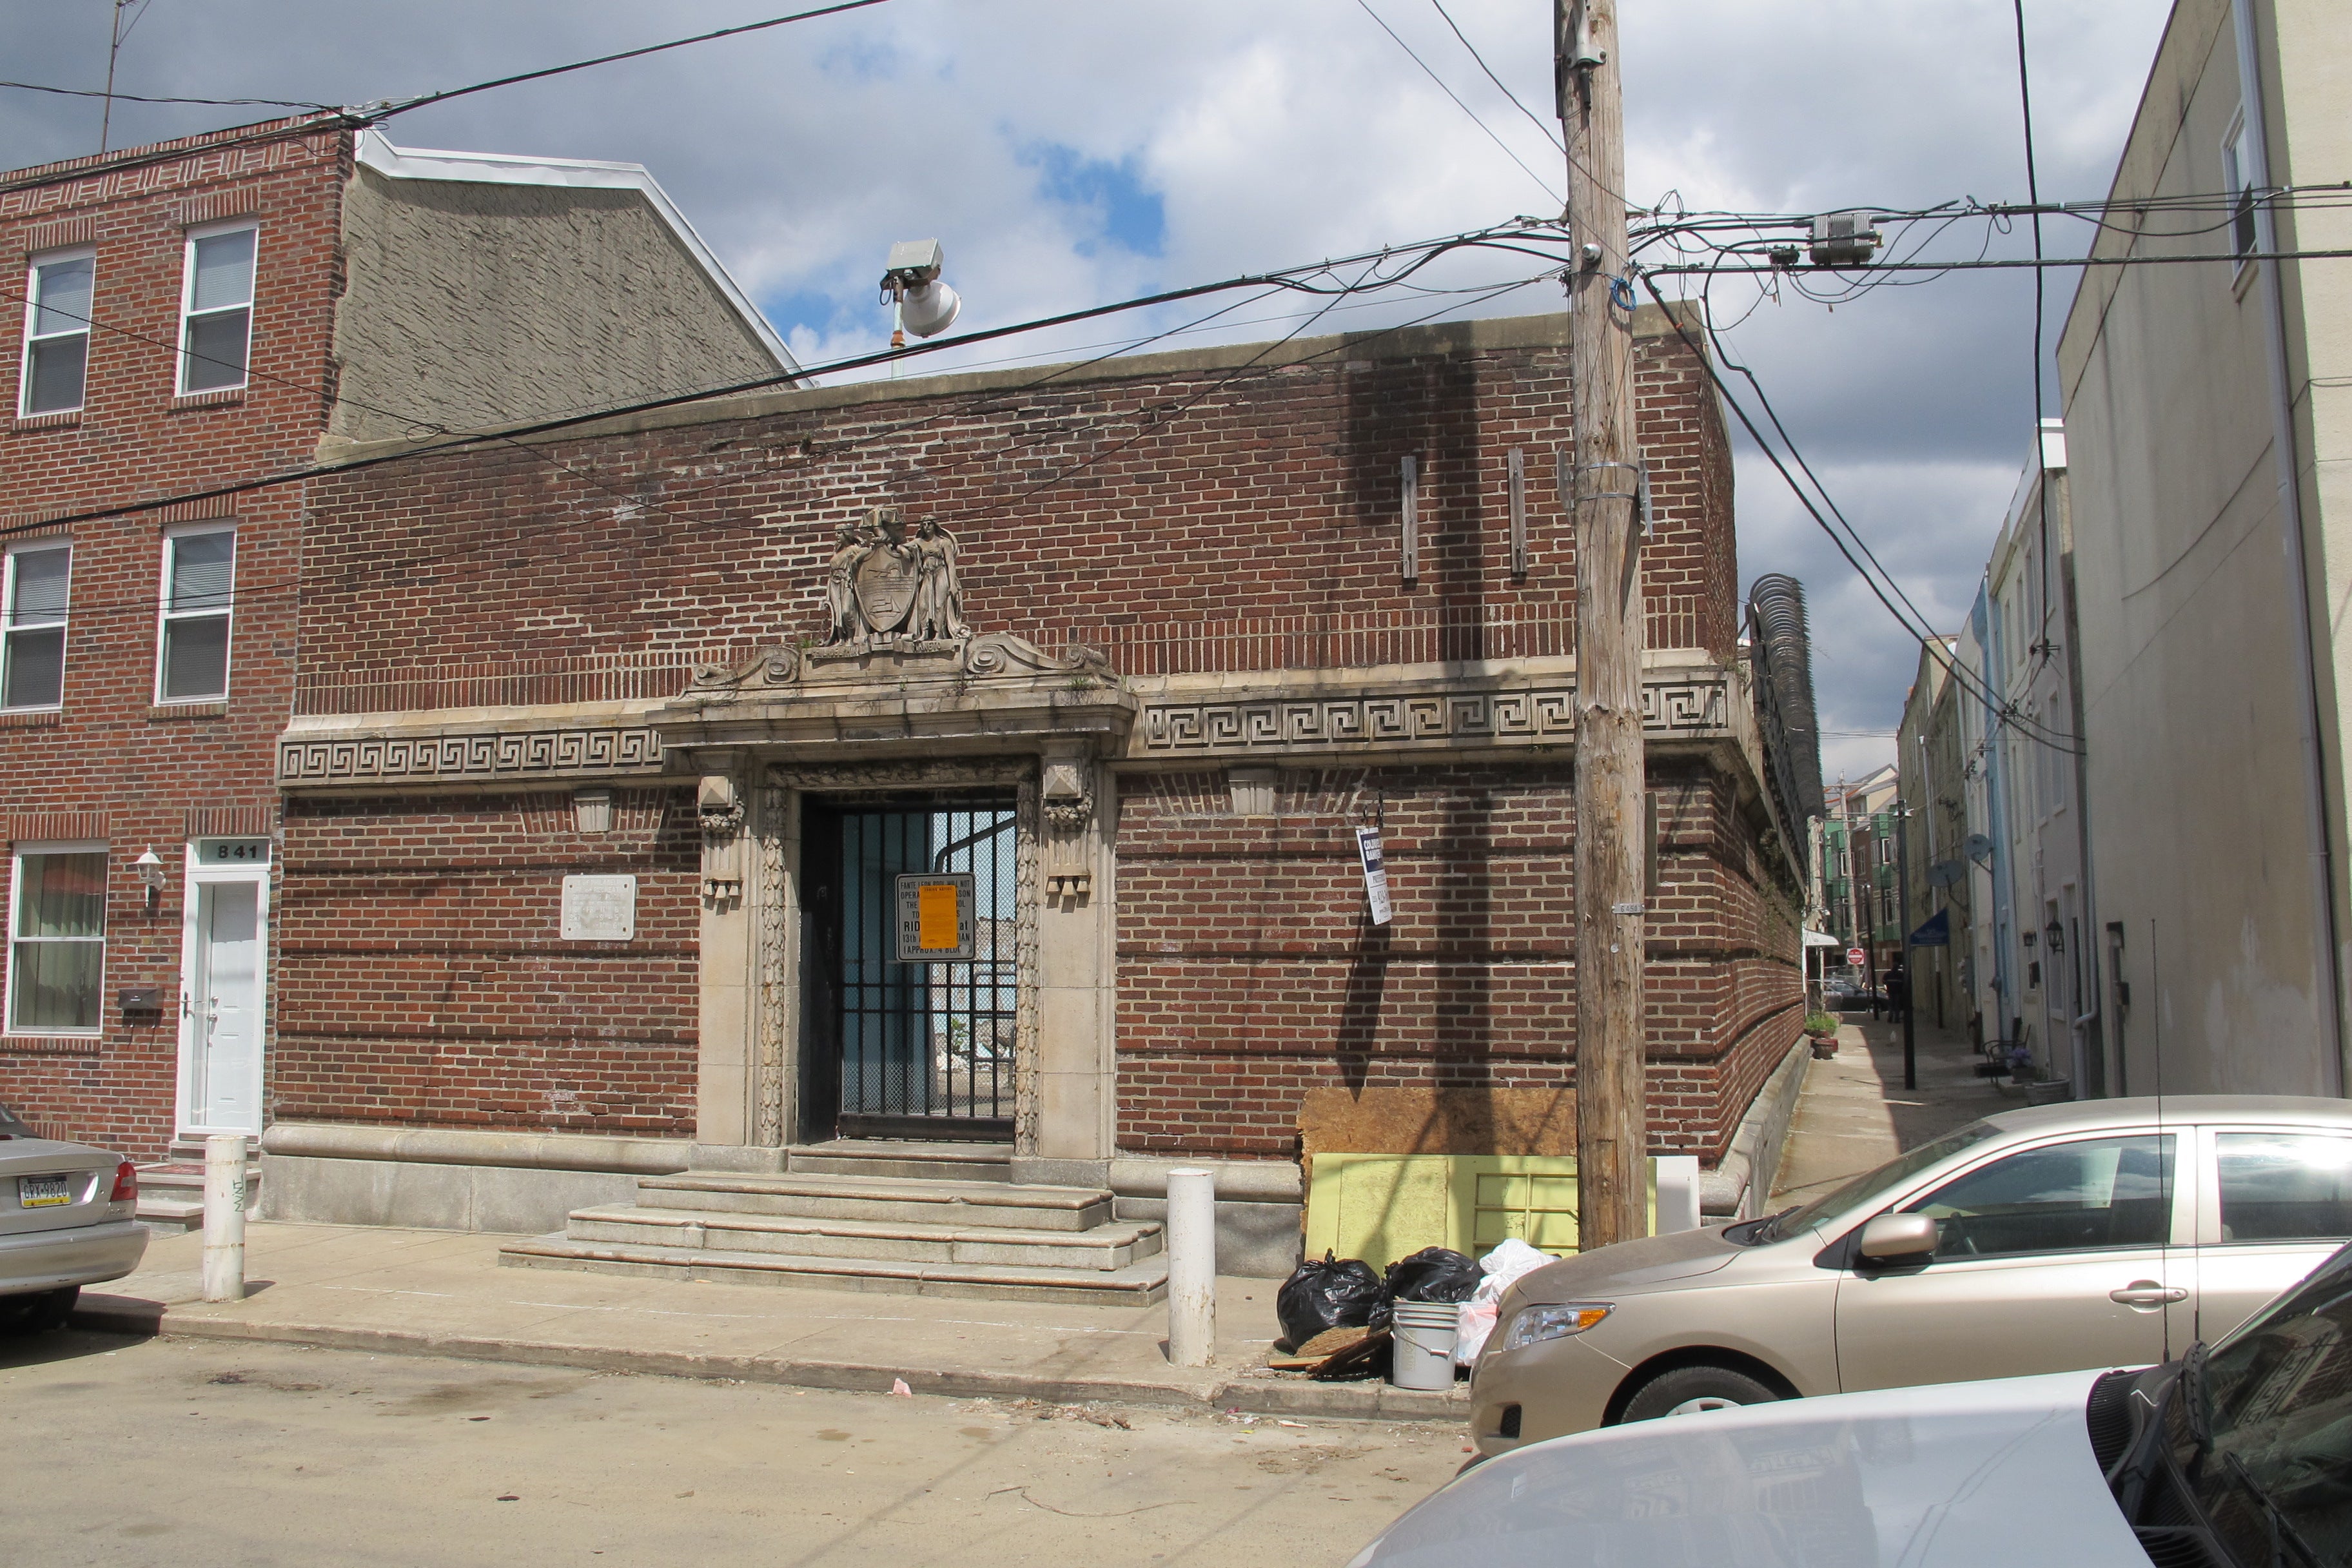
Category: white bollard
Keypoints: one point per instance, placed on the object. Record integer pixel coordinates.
(1191, 1266)
(225, 1217)
(1678, 1192)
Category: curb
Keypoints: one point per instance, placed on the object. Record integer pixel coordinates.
(1366, 1401)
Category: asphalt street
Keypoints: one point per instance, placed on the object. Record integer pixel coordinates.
(192, 1453)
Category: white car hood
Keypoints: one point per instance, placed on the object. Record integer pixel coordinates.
(1949, 1476)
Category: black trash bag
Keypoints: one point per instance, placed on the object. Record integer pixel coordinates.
(1335, 1293)
(1432, 1274)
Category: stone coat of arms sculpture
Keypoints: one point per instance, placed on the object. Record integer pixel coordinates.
(882, 585)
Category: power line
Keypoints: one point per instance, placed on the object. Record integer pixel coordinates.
(2041, 464)
(1302, 280)
(1365, 6)
(404, 105)
(1542, 130)
(1923, 636)
(137, 98)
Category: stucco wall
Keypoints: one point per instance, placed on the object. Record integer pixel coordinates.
(2192, 706)
(487, 304)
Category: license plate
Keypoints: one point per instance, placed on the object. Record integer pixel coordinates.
(43, 1191)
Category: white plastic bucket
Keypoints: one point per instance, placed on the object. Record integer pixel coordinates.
(1422, 1345)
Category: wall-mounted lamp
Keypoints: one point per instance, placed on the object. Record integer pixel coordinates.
(2057, 935)
(150, 866)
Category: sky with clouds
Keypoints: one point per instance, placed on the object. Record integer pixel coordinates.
(1070, 155)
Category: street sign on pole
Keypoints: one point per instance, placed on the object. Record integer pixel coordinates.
(1856, 957)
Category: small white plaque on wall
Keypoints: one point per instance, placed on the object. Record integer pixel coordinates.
(600, 908)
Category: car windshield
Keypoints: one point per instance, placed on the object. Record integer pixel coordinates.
(10, 1127)
(1870, 1183)
(2276, 1408)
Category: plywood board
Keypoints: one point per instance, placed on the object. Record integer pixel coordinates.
(1383, 1119)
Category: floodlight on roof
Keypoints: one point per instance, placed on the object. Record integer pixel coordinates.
(910, 285)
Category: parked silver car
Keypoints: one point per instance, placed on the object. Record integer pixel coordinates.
(64, 1222)
(2096, 1234)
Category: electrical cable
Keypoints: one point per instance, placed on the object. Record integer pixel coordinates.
(1365, 6)
(1923, 637)
(402, 106)
(1542, 130)
(136, 97)
(2040, 463)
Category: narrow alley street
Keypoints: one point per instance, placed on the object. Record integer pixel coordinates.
(1855, 1113)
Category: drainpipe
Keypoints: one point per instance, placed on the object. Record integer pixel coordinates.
(2290, 488)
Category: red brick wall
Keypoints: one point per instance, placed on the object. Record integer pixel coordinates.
(1200, 509)
(145, 775)
(1249, 972)
(422, 979)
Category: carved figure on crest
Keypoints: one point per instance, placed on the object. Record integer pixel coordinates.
(939, 599)
(882, 586)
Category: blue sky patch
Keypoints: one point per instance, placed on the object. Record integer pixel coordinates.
(1126, 214)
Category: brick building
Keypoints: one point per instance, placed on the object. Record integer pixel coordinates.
(608, 749)
(184, 318)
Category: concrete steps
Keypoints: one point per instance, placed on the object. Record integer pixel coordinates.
(932, 1219)
(1138, 1284)
(1105, 1247)
(172, 1190)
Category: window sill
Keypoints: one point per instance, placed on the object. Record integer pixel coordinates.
(52, 1045)
(63, 418)
(215, 398)
(30, 718)
(218, 710)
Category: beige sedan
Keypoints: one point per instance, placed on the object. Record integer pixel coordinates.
(2049, 1240)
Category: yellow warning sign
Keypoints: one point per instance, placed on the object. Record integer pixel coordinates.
(937, 918)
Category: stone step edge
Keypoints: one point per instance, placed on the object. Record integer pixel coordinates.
(894, 1189)
(1212, 1389)
(1115, 1233)
(940, 1153)
(1135, 1278)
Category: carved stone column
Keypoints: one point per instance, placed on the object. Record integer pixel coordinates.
(1075, 1084)
(726, 1109)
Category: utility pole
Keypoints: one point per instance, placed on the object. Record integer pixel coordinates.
(1611, 1119)
(1903, 937)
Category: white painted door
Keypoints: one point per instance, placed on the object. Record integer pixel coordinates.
(224, 1002)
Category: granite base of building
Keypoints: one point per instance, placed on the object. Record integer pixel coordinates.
(448, 1179)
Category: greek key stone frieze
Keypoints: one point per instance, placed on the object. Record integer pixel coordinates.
(1539, 716)
(467, 759)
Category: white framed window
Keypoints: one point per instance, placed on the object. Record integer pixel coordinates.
(216, 307)
(57, 290)
(199, 592)
(32, 625)
(2237, 178)
(56, 939)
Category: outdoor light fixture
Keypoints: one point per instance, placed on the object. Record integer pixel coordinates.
(150, 866)
(2057, 935)
(910, 283)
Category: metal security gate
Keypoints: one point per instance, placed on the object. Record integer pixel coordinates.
(911, 1050)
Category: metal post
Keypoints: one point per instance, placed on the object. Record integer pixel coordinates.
(225, 1217)
(1605, 482)
(1191, 1266)
(1903, 939)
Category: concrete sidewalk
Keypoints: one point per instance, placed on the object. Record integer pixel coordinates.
(426, 1293)
(1855, 1113)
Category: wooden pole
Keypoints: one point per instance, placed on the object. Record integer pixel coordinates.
(1611, 1132)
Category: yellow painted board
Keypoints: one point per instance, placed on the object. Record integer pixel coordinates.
(1382, 1207)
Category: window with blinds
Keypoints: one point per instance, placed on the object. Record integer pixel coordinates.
(33, 626)
(199, 581)
(56, 939)
(216, 310)
(57, 332)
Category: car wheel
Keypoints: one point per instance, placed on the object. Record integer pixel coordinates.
(37, 1314)
(1685, 1390)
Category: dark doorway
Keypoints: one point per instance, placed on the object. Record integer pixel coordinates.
(907, 1050)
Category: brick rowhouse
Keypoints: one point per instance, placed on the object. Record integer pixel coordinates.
(337, 271)
(641, 618)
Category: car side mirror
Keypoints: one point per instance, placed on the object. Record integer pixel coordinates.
(1897, 1237)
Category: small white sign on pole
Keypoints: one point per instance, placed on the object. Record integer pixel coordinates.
(1376, 874)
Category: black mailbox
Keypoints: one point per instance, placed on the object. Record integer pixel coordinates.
(140, 999)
